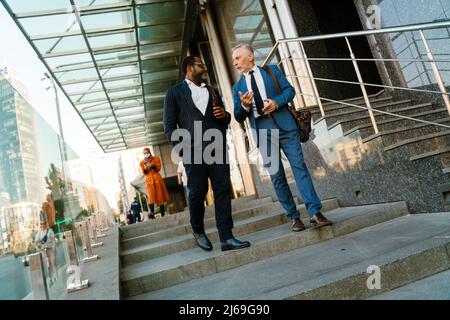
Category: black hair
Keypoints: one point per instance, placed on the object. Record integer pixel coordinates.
(188, 61)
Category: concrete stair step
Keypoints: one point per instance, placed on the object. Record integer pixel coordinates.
(435, 287)
(170, 221)
(429, 145)
(398, 135)
(425, 143)
(172, 245)
(355, 100)
(337, 109)
(353, 113)
(395, 123)
(164, 272)
(185, 227)
(405, 249)
(443, 152)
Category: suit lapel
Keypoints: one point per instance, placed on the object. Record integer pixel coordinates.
(243, 84)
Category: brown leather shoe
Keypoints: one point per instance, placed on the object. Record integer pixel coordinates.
(319, 220)
(298, 225)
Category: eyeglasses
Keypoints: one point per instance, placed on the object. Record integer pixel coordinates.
(201, 65)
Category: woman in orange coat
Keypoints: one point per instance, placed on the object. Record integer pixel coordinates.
(154, 183)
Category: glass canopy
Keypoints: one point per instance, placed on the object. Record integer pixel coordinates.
(114, 59)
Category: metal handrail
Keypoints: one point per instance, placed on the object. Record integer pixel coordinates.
(414, 27)
(366, 84)
(380, 111)
(345, 35)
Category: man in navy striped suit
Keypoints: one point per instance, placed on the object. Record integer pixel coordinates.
(196, 109)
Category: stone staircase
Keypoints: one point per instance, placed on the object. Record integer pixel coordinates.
(159, 258)
(418, 140)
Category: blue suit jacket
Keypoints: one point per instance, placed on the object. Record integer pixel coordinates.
(282, 115)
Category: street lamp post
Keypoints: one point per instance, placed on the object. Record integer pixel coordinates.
(61, 141)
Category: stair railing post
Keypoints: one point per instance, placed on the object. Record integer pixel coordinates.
(437, 73)
(363, 87)
(311, 79)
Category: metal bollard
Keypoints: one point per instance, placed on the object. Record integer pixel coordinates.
(98, 226)
(93, 232)
(74, 282)
(38, 283)
(84, 233)
(71, 248)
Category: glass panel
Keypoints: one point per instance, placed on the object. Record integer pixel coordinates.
(106, 20)
(165, 32)
(158, 86)
(161, 12)
(119, 71)
(93, 106)
(92, 85)
(124, 93)
(62, 44)
(127, 103)
(160, 63)
(89, 96)
(42, 5)
(96, 114)
(115, 56)
(35, 186)
(112, 40)
(122, 83)
(86, 3)
(107, 119)
(70, 60)
(56, 261)
(50, 24)
(156, 76)
(77, 74)
(123, 112)
(168, 48)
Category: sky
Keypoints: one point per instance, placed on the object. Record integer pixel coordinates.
(17, 54)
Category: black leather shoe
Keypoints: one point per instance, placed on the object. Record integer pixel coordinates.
(233, 243)
(151, 216)
(203, 241)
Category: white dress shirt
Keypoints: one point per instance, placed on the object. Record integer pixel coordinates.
(200, 95)
(260, 83)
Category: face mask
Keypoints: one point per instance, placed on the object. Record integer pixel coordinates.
(147, 155)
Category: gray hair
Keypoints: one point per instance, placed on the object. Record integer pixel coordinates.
(246, 46)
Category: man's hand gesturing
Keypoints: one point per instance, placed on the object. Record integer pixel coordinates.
(246, 99)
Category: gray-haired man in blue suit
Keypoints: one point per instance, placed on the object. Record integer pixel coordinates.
(256, 97)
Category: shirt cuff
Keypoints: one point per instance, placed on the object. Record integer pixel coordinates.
(246, 109)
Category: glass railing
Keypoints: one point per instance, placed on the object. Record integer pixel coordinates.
(54, 271)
